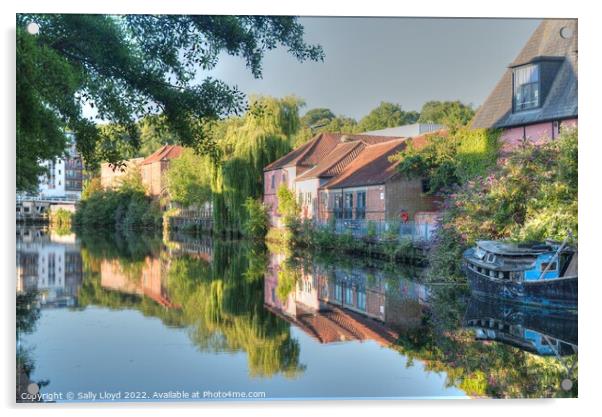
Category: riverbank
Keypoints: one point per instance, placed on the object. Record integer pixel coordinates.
(390, 249)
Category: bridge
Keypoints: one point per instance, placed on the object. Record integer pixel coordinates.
(36, 208)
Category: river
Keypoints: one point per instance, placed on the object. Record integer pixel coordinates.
(137, 317)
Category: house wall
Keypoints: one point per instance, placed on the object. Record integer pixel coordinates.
(404, 194)
(307, 195)
(539, 133)
(152, 176)
(270, 197)
(375, 201)
(110, 178)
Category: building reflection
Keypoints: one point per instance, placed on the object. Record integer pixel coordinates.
(536, 330)
(334, 304)
(49, 264)
(146, 278)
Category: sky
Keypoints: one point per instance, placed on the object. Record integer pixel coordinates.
(402, 60)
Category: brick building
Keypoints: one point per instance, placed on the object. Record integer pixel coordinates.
(347, 177)
(537, 95)
(370, 188)
(152, 169)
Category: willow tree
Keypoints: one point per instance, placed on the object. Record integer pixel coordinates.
(246, 145)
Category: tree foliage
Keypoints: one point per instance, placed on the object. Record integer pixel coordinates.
(450, 158)
(188, 179)
(532, 196)
(127, 67)
(288, 207)
(246, 145)
(386, 115)
(452, 114)
(127, 207)
(317, 117)
(256, 225)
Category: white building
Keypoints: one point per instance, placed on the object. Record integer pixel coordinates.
(63, 180)
(406, 131)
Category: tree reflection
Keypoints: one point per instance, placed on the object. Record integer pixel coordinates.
(482, 369)
(217, 295)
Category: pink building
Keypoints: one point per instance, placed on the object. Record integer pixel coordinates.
(347, 177)
(152, 169)
(537, 95)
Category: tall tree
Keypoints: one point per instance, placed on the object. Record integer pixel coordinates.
(318, 117)
(127, 67)
(452, 114)
(246, 145)
(338, 124)
(387, 115)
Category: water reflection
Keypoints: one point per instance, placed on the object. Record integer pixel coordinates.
(49, 264)
(283, 314)
(333, 303)
(536, 330)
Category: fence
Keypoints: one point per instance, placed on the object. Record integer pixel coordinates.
(417, 232)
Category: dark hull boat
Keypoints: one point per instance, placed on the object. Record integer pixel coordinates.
(541, 274)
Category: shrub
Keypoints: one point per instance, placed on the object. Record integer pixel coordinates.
(256, 224)
(371, 232)
(288, 207)
(118, 209)
(531, 196)
(60, 218)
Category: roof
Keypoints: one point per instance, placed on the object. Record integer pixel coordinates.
(165, 152)
(335, 161)
(313, 152)
(406, 131)
(560, 92)
(372, 166)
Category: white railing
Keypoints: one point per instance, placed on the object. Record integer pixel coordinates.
(417, 232)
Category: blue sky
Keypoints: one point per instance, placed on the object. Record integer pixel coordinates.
(401, 60)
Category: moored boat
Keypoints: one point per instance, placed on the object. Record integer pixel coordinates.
(540, 274)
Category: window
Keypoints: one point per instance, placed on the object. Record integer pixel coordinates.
(273, 181)
(425, 185)
(526, 87)
(283, 177)
(338, 206)
(544, 265)
(360, 211)
(361, 300)
(348, 296)
(348, 206)
(338, 292)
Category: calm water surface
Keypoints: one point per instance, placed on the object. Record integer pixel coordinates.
(133, 317)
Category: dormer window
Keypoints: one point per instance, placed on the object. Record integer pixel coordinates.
(526, 87)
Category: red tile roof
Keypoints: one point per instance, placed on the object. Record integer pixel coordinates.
(164, 152)
(313, 152)
(335, 161)
(372, 166)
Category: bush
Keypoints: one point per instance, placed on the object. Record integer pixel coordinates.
(451, 159)
(288, 207)
(60, 219)
(257, 222)
(119, 209)
(531, 196)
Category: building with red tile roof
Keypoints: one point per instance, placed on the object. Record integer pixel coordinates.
(152, 169)
(154, 166)
(348, 177)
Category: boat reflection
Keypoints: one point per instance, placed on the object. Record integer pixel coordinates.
(537, 330)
